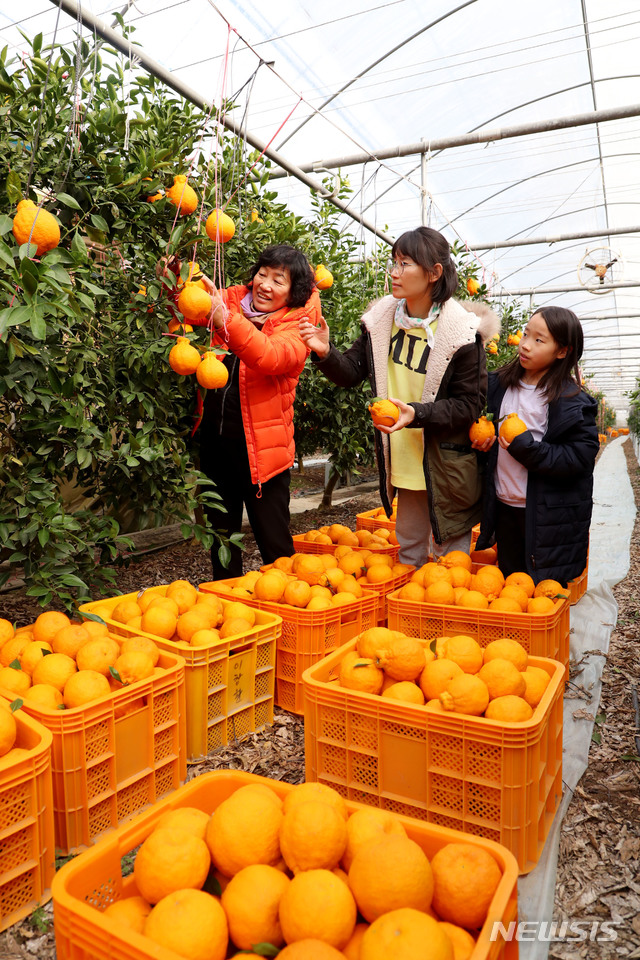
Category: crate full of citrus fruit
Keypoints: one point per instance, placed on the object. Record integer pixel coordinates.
(325, 540)
(232, 860)
(446, 598)
(27, 863)
(116, 711)
(229, 650)
(455, 735)
(321, 604)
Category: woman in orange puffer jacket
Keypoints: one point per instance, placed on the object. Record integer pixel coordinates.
(246, 435)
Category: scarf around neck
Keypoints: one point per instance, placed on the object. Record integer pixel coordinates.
(405, 322)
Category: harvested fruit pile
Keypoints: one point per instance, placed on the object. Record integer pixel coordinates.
(450, 581)
(315, 581)
(306, 873)
(58, 664)
(452, 674)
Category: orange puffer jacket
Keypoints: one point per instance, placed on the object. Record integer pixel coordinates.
(272, 358)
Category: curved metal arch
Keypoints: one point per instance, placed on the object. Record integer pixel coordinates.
(533, 176)
(549, 253)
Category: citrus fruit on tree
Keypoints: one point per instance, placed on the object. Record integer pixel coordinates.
(211, 372)
(194, 303)
(219, 226)
(182, 195)
(37, 224)
(183, 357)
(323, 277)
(472, 286)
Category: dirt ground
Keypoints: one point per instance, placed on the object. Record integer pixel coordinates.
(599, 862)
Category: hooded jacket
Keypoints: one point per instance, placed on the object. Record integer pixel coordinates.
(271, 359)
(559, 484)
(453, 397)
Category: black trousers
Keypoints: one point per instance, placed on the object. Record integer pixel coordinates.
(510, 538)
(226, 462)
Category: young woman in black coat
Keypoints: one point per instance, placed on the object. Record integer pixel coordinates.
(538, 488)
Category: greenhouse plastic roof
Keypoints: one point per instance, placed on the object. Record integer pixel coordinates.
(486, 64)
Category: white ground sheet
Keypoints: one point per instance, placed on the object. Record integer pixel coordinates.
(592, 620)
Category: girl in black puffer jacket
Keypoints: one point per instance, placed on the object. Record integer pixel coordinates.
(538, 488)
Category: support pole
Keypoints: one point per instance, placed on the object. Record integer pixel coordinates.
(479, 136)
(537, 291)
(558, 238)
(199, 100)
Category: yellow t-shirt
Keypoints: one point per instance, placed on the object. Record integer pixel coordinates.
(408, 353)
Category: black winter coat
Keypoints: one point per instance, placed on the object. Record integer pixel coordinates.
(559, 486)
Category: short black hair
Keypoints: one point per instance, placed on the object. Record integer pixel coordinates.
(427, 247)
(300, 272)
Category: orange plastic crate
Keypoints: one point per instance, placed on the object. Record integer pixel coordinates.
(27, 847)
(382, 591)
(308, 546)
(541, 635)
(112, 758)
(83, 888)
(373, 520)
(307, 636)
(229, 685)
(495, 780)
(578, 587)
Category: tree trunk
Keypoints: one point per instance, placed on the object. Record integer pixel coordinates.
(330, 486)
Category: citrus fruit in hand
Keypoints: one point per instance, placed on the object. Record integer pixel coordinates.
(384, 412)
(483, 429)
(194, 303)
(511, 427)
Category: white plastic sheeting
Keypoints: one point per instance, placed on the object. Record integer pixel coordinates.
(592, 620)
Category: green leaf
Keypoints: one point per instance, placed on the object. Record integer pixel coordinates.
(12, 316)
(68, 201)
(15, 665)
(265, 949)
(16, 704)
(83, 457)
(78, 246)
(14, 187)
(114, 673)
(38, 323)
(93, 616)
(99, 223)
